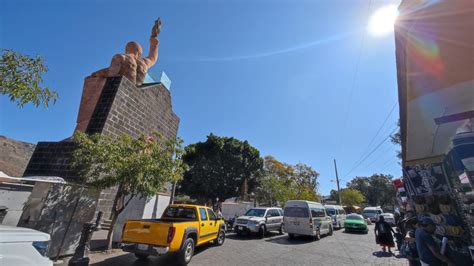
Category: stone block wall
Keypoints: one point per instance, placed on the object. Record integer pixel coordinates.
(52, 159)
(122, 108)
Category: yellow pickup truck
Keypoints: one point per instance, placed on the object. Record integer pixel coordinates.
(181, 228)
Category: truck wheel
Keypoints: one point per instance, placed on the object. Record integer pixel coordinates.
(141, 256)
(219, 241)
(261, 231)
(318, 235)
(186, 252)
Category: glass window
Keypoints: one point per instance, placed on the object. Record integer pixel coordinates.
(354, 217)
(296, 212)
(255, 212)
(331, 211)
(180, 212)
(317, 212)
(281, 212)
(212, 215)
(203, 214)
(275, 213)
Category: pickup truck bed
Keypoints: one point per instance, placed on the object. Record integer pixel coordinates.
(181, 228)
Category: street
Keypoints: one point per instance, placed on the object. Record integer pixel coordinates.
(340, 249)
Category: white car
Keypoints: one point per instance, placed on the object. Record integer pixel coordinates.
(260, 220)
(23, 246)
(389, 218)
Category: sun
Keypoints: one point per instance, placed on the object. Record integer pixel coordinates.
(382, 21)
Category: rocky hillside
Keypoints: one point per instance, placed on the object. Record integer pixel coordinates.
(14, 156)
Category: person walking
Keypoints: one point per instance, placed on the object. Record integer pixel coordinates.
(383, 234)
(428, 250)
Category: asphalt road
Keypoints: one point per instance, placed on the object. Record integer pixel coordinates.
(339, 249)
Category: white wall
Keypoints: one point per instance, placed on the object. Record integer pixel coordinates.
(140, 208)
(14, 197)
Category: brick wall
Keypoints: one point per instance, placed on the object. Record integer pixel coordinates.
(124, 108)
(121, 108)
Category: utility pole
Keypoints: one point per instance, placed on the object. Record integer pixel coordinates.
(337, 182)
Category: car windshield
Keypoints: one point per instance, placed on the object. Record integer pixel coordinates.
(387, 216)
(180, 212)
(354, 217)
(370, 213)
(255, 212)
(331, 211)
(296, 212)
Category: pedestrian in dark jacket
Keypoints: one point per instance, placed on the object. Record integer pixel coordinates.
(383, 234)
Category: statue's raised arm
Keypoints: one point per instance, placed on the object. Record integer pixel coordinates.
(153, 52)
(155, 31)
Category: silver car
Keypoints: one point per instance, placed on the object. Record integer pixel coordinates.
(259, 221)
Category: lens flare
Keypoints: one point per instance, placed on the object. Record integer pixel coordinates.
(382, 21)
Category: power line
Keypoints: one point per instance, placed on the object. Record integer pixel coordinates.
(371, 152)
(390, 147)
(376, 134)
(354, 79)
(378, 131)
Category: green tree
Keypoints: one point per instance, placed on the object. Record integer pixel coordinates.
(396, 138)
(306, 178)
(281, 182)
(275, 182)
(21, 78)
(333, 195)
(137, 167)
(351, 197)
(220, 167)
(377, 189)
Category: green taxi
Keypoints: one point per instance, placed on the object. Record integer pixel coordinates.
(355, 223)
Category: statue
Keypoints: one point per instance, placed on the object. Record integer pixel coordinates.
(130, 65)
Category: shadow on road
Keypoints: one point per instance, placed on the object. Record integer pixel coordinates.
(130, 259)
(297, 240)
(382, 254)
(246, 237)
(355, 232)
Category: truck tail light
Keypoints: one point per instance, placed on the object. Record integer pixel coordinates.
(123, 228)
(171, 232)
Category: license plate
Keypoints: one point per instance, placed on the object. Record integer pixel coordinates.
(240, 227)
(142, 247)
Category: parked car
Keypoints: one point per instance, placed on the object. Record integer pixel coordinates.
(232, 210)
(372, 213)
(338, 215)
(356, 223)
(259, 221)
(389, 218)
(23, 246)
(181, 228)
(306, 218)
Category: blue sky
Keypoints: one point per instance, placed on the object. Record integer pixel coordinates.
(284, 75)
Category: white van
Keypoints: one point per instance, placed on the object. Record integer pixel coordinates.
(338, 215)
(302, 217)
(372, 213)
